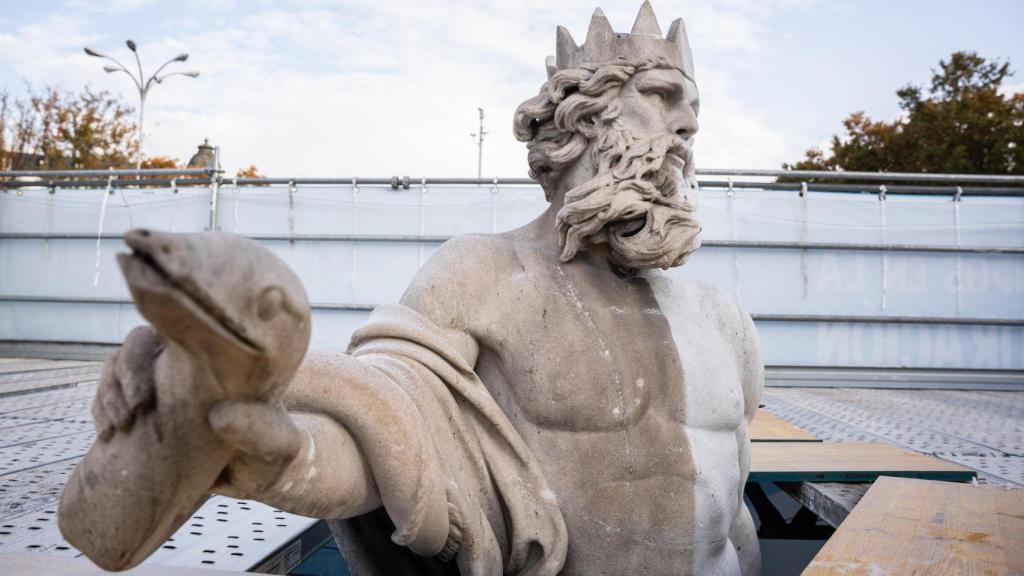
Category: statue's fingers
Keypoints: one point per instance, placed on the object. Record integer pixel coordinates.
(134, 368)
(257, 429)
(107, 379)
(110, 402)
(104, 429)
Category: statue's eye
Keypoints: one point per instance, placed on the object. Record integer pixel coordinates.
(270, 303)
(656, 95)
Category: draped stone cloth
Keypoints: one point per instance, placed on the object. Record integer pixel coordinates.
(502, 517)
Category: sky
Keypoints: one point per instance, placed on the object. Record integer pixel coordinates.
(370, 88)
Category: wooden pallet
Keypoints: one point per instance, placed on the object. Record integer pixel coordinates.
(846, 462)
(907, 526)
(767, 427)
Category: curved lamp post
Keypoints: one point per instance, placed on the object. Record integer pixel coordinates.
(143, 86)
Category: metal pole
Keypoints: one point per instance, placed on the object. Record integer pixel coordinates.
(142, 112)
(142, 84)
(480, 147)
(479, 135)
(214, 188)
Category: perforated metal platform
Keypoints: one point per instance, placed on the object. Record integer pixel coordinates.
(46, 427)
(45, 430)
(983, 430)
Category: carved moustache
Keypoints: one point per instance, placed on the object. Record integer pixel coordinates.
(638, 203)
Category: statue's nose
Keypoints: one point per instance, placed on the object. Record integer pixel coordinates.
(684, 121)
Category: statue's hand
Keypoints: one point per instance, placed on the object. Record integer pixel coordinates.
(264, 435)
(126, 387)
(267, 441)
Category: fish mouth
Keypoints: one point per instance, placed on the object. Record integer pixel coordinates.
(153, 287)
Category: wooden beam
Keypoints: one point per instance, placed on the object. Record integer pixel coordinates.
(767, 427)
(830, 501)
(906, 526)
(846, 462)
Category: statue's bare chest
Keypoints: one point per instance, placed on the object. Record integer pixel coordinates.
(585, 352)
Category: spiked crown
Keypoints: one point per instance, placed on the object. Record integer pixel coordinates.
(604, 45)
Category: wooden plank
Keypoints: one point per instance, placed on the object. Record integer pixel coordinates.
(906, 526)
(767, 427)
(830, 501)
(845, 462)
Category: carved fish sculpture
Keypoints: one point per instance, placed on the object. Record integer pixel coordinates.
(235, 324)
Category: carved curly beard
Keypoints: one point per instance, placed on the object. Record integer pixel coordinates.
(637, 203)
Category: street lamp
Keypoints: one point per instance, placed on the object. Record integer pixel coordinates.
(142, 86)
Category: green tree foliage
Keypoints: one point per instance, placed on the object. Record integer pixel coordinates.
(59, 129)
(961, 123)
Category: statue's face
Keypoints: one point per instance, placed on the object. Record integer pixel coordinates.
(641, 201)
(657, 103)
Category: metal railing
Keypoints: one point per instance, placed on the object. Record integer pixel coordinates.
(891, 182)
(762, 317)
(439, 239)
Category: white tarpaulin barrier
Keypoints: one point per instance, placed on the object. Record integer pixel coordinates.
(49, 289)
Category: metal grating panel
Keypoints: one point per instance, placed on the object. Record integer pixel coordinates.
(56, 411)
(34, 531)
(34, 454)
(17, 383)
(996, 469)
(15, 403)
(231, 535)
(982, 430)
(41, 431)
(43, 436)
(33, 489)
(224, 533)
(20, 365)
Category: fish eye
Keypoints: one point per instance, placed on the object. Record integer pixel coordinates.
(271, 301)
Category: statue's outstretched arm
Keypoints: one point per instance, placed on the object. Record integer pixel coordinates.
(327, 478)
(302, 462)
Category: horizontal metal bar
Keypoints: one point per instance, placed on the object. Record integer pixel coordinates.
(437, 239)
(848, 319)
(890, 189)
(852, 246)
(347, 307)
(775, 375)
(873, 176)
(250, 183)
(117, 172)
(802, 174)
(412, 182)
(890, 377)
(897, 181)
(128, 302)
(122, 183)
(261, 237)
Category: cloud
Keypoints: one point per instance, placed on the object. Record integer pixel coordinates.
(1010, 89)
(366, 88)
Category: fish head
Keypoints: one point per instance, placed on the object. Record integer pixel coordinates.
(225, 299)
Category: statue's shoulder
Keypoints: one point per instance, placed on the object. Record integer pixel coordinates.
(461, 276)
(710, 301)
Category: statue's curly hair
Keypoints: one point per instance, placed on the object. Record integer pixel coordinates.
(572, 109)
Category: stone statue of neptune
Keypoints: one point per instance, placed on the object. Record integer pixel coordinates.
(542, 401)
